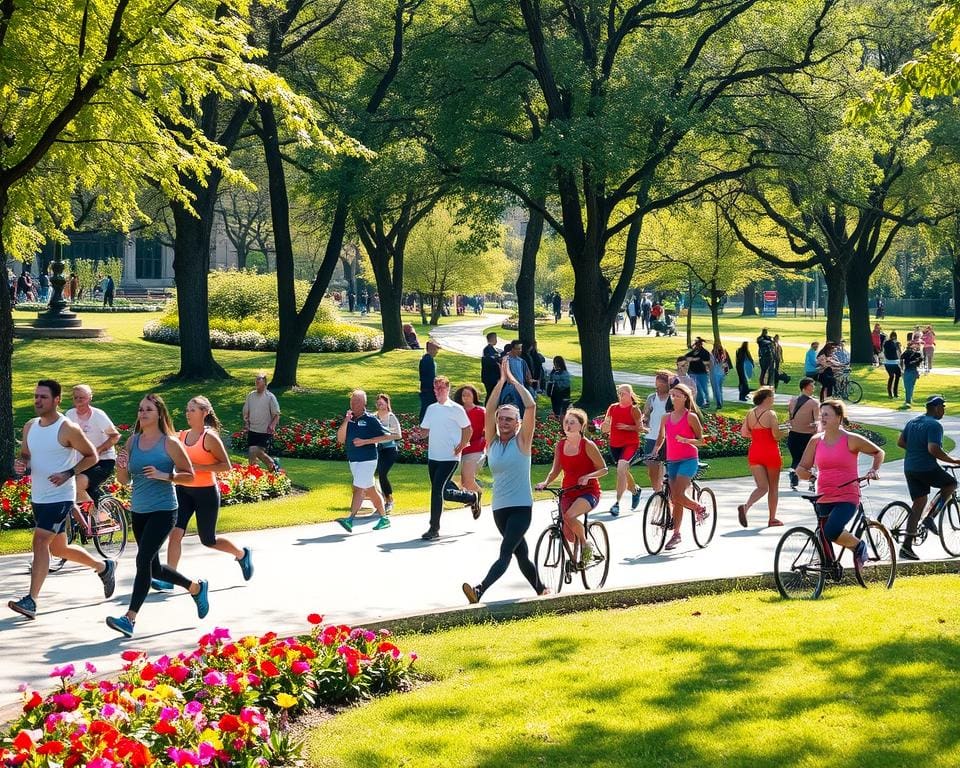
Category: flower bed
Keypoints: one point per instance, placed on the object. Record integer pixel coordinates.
(322, 337)
(225, 703)
(242, 484)
(95, 308)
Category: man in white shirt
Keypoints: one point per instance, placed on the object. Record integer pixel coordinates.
(261, 414)
(448, 433)
(100, 431)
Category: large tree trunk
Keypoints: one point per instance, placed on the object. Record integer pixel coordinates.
(390, 288)
(593, 332)
(690, 312)
(423, 308)
(749, 301)
(191, 265)
(858, 299)
(7, 428)
(526, 289)
(835, 280)
(714, 301)
(955, 271)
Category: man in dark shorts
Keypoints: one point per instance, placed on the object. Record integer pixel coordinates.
(922, 439)
(261, 414)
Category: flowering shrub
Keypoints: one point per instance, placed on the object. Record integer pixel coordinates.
(321, 337)
(225, 703)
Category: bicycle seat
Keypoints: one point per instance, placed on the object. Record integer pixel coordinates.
(813, 498)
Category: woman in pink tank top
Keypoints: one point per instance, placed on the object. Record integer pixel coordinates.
(834, 453)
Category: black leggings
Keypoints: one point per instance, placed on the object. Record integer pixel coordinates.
(797, 444)
(205, 502)
(442, 488)
(386, 458)
(513, 523)
(150, 529)
(893, 380)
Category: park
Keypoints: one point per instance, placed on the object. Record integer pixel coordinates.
(207, 202)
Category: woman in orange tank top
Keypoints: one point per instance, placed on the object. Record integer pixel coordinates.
(762, 428)
(201, 496)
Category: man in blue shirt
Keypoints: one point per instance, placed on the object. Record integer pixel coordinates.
(428, 372)
(810, 360)
(922, 439)
(359, 433)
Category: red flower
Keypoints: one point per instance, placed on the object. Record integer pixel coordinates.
(269, 669)
(315, 618)
(131, 655)
(6, 504)
(23, 740)
(35, 701)
(51, 748)
(230, 723)
(178, 673)
(164, 728)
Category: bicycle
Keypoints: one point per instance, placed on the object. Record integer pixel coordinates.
(805, 559)
(557, 559)
(846, 388)
(946, 511)
(106, 525)
(658, 519)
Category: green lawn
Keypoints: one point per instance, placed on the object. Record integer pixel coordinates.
(855, 679)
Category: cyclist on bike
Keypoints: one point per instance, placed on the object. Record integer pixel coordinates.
(623, 423)
(581, 463)
(100, 431)
(922, 439)
(834, 453)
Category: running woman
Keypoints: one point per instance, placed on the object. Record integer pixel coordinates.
(54, 451)
(834, 453)
(581, 463)
(509, 451)
(154, 459)
(762, 428)
(201, 496)
(100, 431)
(387, 450)
(682, 432)
(624, 423)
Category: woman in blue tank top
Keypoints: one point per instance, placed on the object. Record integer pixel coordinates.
(509, 447)
(154, 460)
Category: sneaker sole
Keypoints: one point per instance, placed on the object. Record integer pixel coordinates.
(116, 628)
(22, 611)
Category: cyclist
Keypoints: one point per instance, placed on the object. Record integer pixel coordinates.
(682, 432)
(922, 439)
(834, 453)
(581, 463)
(624, 423)
(100, 431)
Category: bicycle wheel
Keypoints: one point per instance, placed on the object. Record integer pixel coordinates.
(595, 572)
(894, 518)
(881, 567)
(109, 522)
(853, 393)
(950, 527)
(704, 529)
(798, 565)
(656, 515)
(550, 559)
(56, 563)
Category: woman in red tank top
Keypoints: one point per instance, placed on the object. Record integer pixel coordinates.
(624, 423)
(581, 463)
(762, 427)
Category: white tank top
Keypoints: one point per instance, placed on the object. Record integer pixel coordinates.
(47, 457)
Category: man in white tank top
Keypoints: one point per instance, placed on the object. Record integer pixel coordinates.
(54, 451)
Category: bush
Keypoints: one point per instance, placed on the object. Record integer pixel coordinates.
(540, 315)
(120, 305)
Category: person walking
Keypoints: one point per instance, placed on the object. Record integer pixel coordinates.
(534, 360)
(929, 340)
(513, 352)
(428, 372)
(471, 458)
(744, 365)
(360, 432)
(261, 415)
(387, 451)
(645, 308)
(877, 337)
(804, 415)
(765, 356)
(490, 365)
(448, 433)
(632, 311)
(762, 428)
(201, 496)
(509, 454)
(911, 360)
(558, 387)
(776, 375)
(719, 367)
(154, 459)
(891, 363)
(698, 359)
(53, 451)
(827, 367)
(557, 307)
(108, 291)
(623, 423)
(654, 409)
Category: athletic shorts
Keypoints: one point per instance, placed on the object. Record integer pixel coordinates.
(52, 516)
(624, 452)
(259, 438)
(476, 458)
(566, 501)
(98, 473)
(920, 483)
(683, 468)
(838, 514)
(362, 472)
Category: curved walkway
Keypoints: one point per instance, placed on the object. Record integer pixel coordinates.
(371, 574)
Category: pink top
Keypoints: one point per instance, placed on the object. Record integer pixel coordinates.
(681, 428)
(836, 464)
(929, 339)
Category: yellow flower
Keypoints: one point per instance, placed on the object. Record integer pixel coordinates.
(211, 736)
(285, 700)
(163, 692)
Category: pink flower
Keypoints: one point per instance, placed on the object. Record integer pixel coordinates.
(90, 668)
(214, 678)
(67, 670)
(299, 667)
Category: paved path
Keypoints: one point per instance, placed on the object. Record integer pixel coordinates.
(369, 575)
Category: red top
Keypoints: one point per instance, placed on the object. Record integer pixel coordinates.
(622, 414)
(478, 440)
(576, 466)
(764, 449)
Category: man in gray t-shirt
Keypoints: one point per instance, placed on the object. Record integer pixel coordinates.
(261, 414)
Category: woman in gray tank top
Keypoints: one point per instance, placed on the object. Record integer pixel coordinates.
(509, 447)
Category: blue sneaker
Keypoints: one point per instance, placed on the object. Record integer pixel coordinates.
(121, 624)
(246, 564)
(201, 599)
(346, 523)
(615, 510)
(635, 500)
(161, 586)
(25, 606)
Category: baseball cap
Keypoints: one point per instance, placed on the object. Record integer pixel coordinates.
(935, 400)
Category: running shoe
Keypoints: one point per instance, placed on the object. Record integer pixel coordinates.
(161, 586)
(635, 500)
(346, 523)
(907, 553)
(860, 558)
(674, 541)
(383, 522)
(276, 464)
(25, 606)
(121, 624)
(431, 534)
(794, 480)
(586, 557)
(475, 505)
(931, 525)
(202, 599)
(472, 593)
(246, 564)
(109, 577)
(615, 510)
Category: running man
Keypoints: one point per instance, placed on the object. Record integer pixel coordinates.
(261, 414)
(54, 451)
(359, 433)
(653, 412)
(922, 440)
(100, 431)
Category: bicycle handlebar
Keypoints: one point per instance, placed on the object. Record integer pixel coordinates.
(558, 491)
